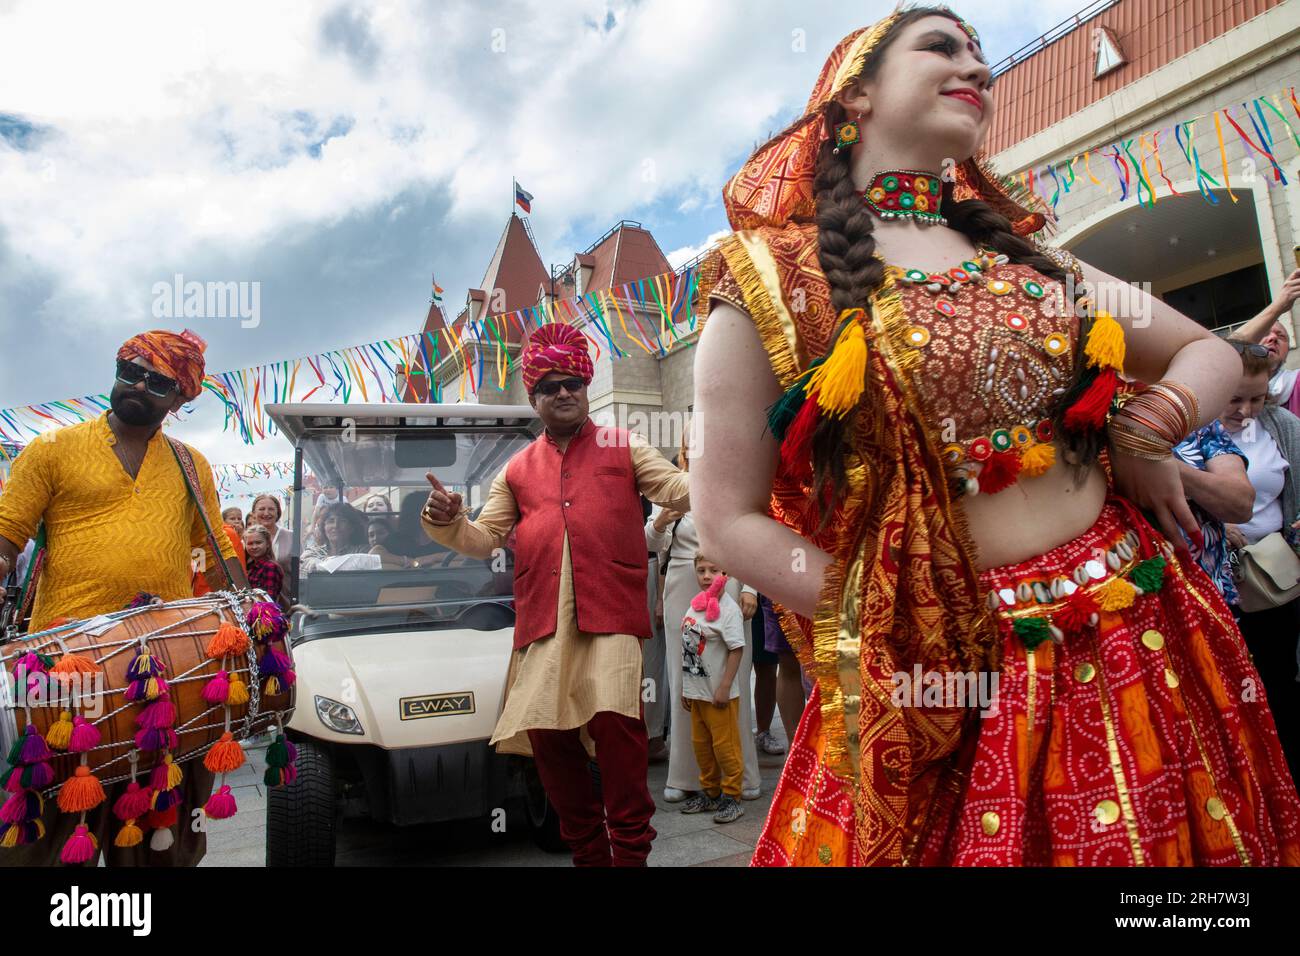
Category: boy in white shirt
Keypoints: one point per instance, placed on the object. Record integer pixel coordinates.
(713, 639)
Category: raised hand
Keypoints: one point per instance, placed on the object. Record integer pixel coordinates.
(442, 507)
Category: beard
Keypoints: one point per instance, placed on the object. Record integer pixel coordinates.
(135, 409)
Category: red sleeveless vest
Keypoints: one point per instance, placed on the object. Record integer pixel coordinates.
(590, 491)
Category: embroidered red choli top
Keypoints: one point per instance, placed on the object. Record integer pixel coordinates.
(997, 345)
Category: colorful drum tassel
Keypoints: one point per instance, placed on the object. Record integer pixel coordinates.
(70, 664)
(229, 639)
(276, 668)
(221, 805)
(145, 676)
(155, 723)
(280, 760)
(225, 756)
(59, 736)
(22, 806)
(148, 689)
(161, 822)
(81, 792)
(31, 669)
(129, 808)
(85, 735)
(29, 771)
(266, 621)
(165, 784)
(217, 689)
(81, 846)
(238, 694)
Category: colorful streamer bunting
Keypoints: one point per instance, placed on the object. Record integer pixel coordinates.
(479, 351)
(1133, 175)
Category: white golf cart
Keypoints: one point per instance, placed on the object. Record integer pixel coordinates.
(401, 646)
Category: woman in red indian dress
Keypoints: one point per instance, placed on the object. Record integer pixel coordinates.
(911, 440)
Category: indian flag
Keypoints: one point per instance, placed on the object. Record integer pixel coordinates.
(437, 293)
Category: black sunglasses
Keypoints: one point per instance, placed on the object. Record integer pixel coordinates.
(1249, 348)
(155, 383)
(570, 385)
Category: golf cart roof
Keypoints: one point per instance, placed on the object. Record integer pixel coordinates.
(295, 419)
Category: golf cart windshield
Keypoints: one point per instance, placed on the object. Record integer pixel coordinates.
(365, 562)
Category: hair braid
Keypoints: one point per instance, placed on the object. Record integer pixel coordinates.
(846, 248)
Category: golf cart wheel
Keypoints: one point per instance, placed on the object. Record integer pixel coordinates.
(302, 817)
(543, 821)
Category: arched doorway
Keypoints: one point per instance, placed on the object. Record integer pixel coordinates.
(1207, 261)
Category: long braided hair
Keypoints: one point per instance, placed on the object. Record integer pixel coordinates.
(846, 253)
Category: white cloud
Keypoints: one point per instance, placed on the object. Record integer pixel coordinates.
(240, 137)
(685, 254)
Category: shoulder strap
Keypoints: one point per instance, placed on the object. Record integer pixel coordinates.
(27, 590)
(190, 472)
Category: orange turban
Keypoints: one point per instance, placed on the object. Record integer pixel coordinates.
(556, 347)
(179, 356)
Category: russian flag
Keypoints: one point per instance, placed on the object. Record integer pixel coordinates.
(523, 199)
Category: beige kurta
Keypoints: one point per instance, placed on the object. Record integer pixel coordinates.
(559, 682)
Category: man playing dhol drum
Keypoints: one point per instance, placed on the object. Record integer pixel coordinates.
(119, 520)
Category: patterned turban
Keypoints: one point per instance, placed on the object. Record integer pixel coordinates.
(179, 356)
(556, 348)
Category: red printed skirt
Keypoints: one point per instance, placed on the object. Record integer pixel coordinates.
(1130, 729)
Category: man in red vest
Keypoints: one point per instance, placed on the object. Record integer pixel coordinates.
(572, 500)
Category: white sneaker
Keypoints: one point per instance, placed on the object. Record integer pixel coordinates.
(751, 793)
(768, 744)
(673, 795)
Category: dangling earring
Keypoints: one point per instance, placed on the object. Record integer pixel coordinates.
(847, 134)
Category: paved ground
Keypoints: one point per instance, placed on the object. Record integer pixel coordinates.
(693, 840)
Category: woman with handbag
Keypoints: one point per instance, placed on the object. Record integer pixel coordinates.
(1265, 547)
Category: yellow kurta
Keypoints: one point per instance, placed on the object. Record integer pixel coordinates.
(108, 537)
(560, 681)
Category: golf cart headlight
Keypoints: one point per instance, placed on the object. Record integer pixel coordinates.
(337, 717)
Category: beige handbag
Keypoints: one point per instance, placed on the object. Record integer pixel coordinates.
(1267, 573)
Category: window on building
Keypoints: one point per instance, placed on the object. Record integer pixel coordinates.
(1226, 301)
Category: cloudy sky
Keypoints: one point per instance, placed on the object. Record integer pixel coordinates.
(337, 154)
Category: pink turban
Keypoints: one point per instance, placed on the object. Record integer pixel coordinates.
(556, 347)
(178, 356)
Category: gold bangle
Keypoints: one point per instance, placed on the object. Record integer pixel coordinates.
(1129, 441)
(1132, 452)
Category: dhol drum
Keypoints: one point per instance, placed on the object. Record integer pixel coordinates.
(132, 695)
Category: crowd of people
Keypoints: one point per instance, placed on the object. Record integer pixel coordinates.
(917, 471)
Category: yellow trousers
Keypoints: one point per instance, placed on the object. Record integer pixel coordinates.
(715, 732)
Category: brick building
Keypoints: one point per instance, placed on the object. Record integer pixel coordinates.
(1122, 68)
(632, 391)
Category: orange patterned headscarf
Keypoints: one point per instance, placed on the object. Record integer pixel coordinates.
(178, 355)
(775, 185)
